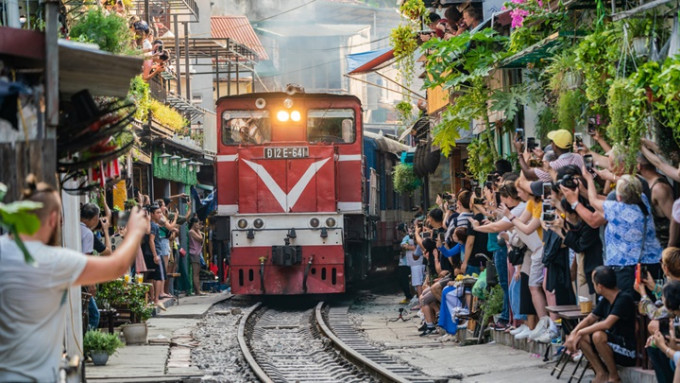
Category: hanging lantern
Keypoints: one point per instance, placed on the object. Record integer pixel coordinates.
(164, 158)
(183, 162)
(174, 159)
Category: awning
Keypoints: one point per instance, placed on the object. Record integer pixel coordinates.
(532, 54)
(370, 61)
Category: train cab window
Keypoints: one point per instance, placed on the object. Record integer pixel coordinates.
(331, 125)
(246, 127)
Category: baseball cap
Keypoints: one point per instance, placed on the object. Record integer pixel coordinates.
(561, 138)
(537, 188)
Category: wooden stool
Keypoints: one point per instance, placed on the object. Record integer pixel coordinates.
(110, 316)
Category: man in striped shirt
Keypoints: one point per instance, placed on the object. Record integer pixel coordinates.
(561, 142)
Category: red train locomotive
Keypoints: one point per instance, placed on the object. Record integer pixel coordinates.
(290, 180)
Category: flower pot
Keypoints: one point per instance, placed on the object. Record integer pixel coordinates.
(99, 358)
(135, 333)
(572, 80)
(640, 46)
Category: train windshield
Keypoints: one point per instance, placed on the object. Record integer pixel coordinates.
(248, 127)
(330, 125)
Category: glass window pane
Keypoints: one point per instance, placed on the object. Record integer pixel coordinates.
(246, 127)
(330, 125)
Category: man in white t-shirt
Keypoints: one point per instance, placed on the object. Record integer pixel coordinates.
(403, 269)
(34, 298)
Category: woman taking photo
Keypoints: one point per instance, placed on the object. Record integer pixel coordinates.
(196, 252)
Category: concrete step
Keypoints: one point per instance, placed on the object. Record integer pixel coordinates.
(628, 374)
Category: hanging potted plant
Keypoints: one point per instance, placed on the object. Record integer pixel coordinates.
(99, 346)
(413, 9)
(405, 180)
(640, 31)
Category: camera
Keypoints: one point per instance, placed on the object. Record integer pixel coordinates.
(568, 181)
(446, 196)
(498, 199)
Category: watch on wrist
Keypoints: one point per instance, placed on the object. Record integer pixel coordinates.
(574, 205)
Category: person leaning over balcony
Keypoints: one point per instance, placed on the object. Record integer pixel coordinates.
(33, 315)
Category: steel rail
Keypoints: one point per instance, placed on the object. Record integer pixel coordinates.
(245, 349)
(354, 356)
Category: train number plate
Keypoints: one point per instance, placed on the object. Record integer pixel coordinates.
(286, 152)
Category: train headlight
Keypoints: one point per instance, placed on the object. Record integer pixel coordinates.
(242, 223)
(282, 116)
(260, 103)
(314, 222)
(330, 222)
(258, 223)
(295, 116)
(288, 103)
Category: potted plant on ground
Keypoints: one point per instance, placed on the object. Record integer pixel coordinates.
(140, 311)
(128, 297)
(99, 346)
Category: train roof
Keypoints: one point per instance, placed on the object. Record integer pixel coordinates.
(386, 144)
(283, 94)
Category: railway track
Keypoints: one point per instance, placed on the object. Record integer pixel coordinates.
(314, 345)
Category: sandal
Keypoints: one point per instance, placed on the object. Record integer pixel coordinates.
(165, 296)
(160, 306)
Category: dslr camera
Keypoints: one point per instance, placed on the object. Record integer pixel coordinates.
(568, 181)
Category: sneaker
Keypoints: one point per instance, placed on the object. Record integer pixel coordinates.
(429, 331)
(414, 301)
(547, 337)
(445, 338)
(404, 301)
(577, 356)
(423, 327)
(540, 328)
(523, 334)
(519, 329)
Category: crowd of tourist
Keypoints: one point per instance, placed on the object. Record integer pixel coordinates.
(568, 226)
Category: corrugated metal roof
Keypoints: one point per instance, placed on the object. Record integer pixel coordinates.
(237, 28)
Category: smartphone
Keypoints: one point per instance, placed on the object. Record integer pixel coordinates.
(520, 134)
(441, 237)
(664, 327)
(531, 143)
(637, 273)
(548, 213)
(588, 161)
(592, 126)
(498, 199)
(578, 137)
(427, 234)
(478, 191)
(547, 189)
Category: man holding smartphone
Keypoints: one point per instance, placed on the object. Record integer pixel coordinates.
(561, 141)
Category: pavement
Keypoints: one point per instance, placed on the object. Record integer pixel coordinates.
(167, 356)
(377, 316)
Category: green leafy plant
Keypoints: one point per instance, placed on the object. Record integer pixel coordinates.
(405, 180)
(17, 218)
(167, 116)
(596, 57)
(517, 96)
(110, 32)
(404, 42)
(480, 162)
(561, 70)
(493, 304)
(95, 340)
(456, 62)
(131, 296)
(570, 109)
(140, 94)
(413, 9)
(405, 110)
